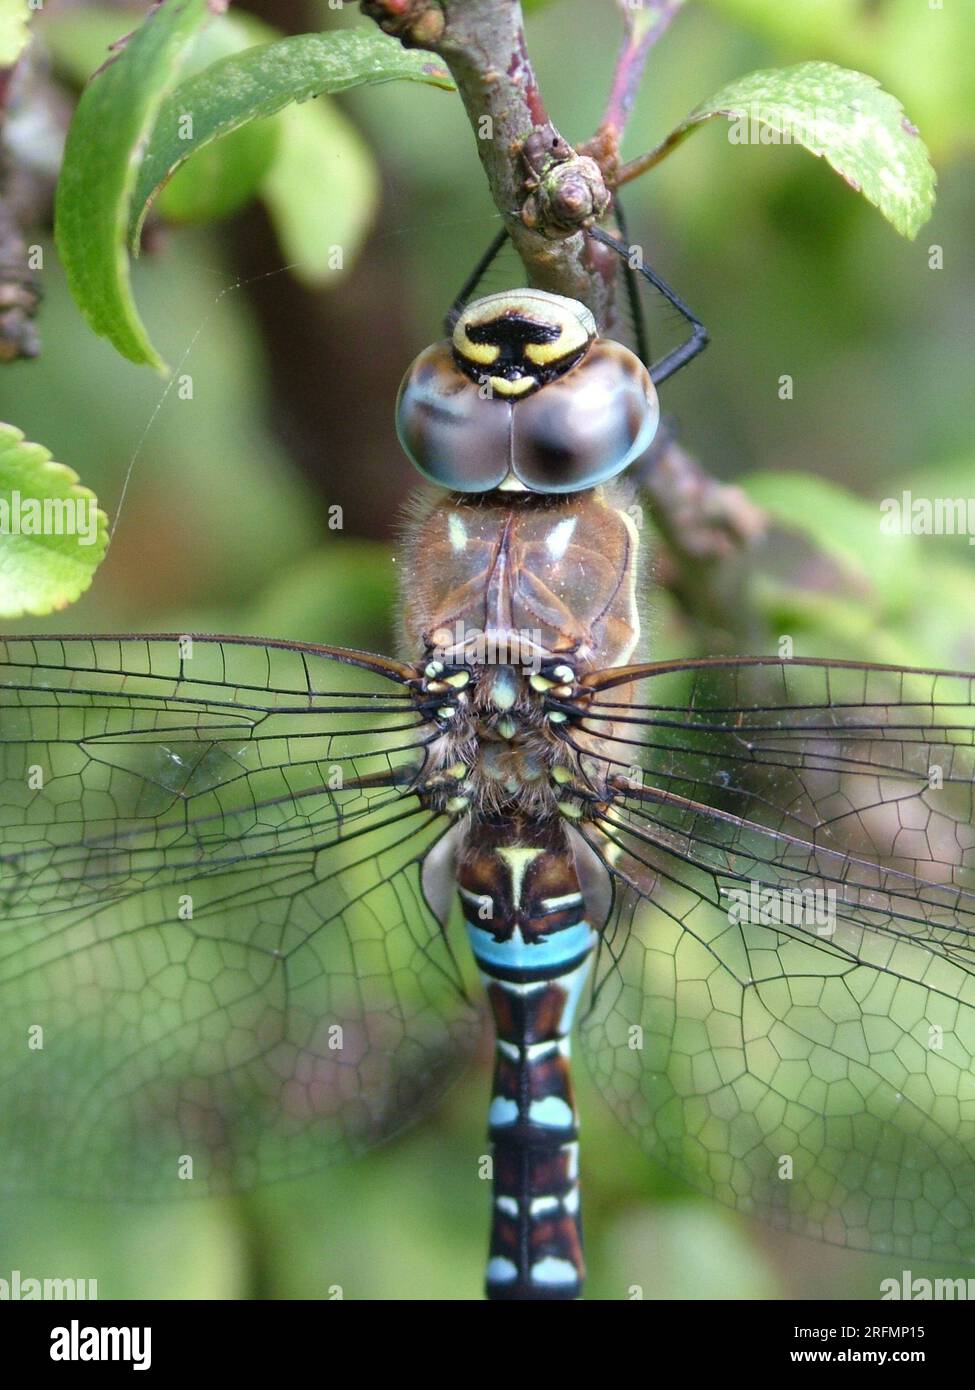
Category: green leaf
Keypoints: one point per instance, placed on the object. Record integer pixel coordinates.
(221, 177)
(79, 40)
(843, 526)
(843, 116)
(226, 174)
(14, 33)
(321, 191)
(261, 81)
(53, 535)
(111, 125)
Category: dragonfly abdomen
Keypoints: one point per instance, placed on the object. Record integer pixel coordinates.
(533, 943)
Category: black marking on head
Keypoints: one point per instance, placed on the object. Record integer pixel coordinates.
(521, 339)
(511, 334)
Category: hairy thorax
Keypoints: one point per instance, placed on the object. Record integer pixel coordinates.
(509, 603)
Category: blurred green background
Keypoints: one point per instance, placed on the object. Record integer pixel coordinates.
(225, 523)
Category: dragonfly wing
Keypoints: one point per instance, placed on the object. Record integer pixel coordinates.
(784, 1004)
(216, 958)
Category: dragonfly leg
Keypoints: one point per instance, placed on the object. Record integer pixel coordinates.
(699, 339)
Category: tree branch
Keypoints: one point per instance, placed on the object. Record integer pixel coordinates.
(643, 24)
(643, 163)
(708, 528)
(19, 293)
(545, 190)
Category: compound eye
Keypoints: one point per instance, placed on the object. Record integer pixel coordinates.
(455, 433)
(585, 427)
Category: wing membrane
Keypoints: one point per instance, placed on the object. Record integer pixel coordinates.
(785, 1000)
(215, 954)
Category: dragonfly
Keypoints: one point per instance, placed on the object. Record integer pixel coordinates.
(246, 886)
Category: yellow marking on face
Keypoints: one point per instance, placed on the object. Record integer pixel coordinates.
(501, 386)
(481, 353)
(572, 339)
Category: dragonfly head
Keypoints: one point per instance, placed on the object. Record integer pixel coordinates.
(525, 397)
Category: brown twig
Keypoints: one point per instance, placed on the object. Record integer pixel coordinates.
(545, 190)
(643, 163)
(708, 528)
(19, 292)
(643, 24)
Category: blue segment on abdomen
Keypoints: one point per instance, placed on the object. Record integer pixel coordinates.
(554, 952)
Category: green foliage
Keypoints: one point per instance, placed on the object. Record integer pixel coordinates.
(225, 174)
(839, 524)
(261, 81)
(219, 515)
(78, 41)
(113, 121)
(105, 188)
(223, 177)
(844, 117)
(303, 598)
(321, 191)
(905, 43)
(53, 536)
(850, 589)
(14, 31)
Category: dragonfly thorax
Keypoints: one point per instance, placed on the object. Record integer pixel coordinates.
(498, 752)
(523, 581)
(507, 605)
